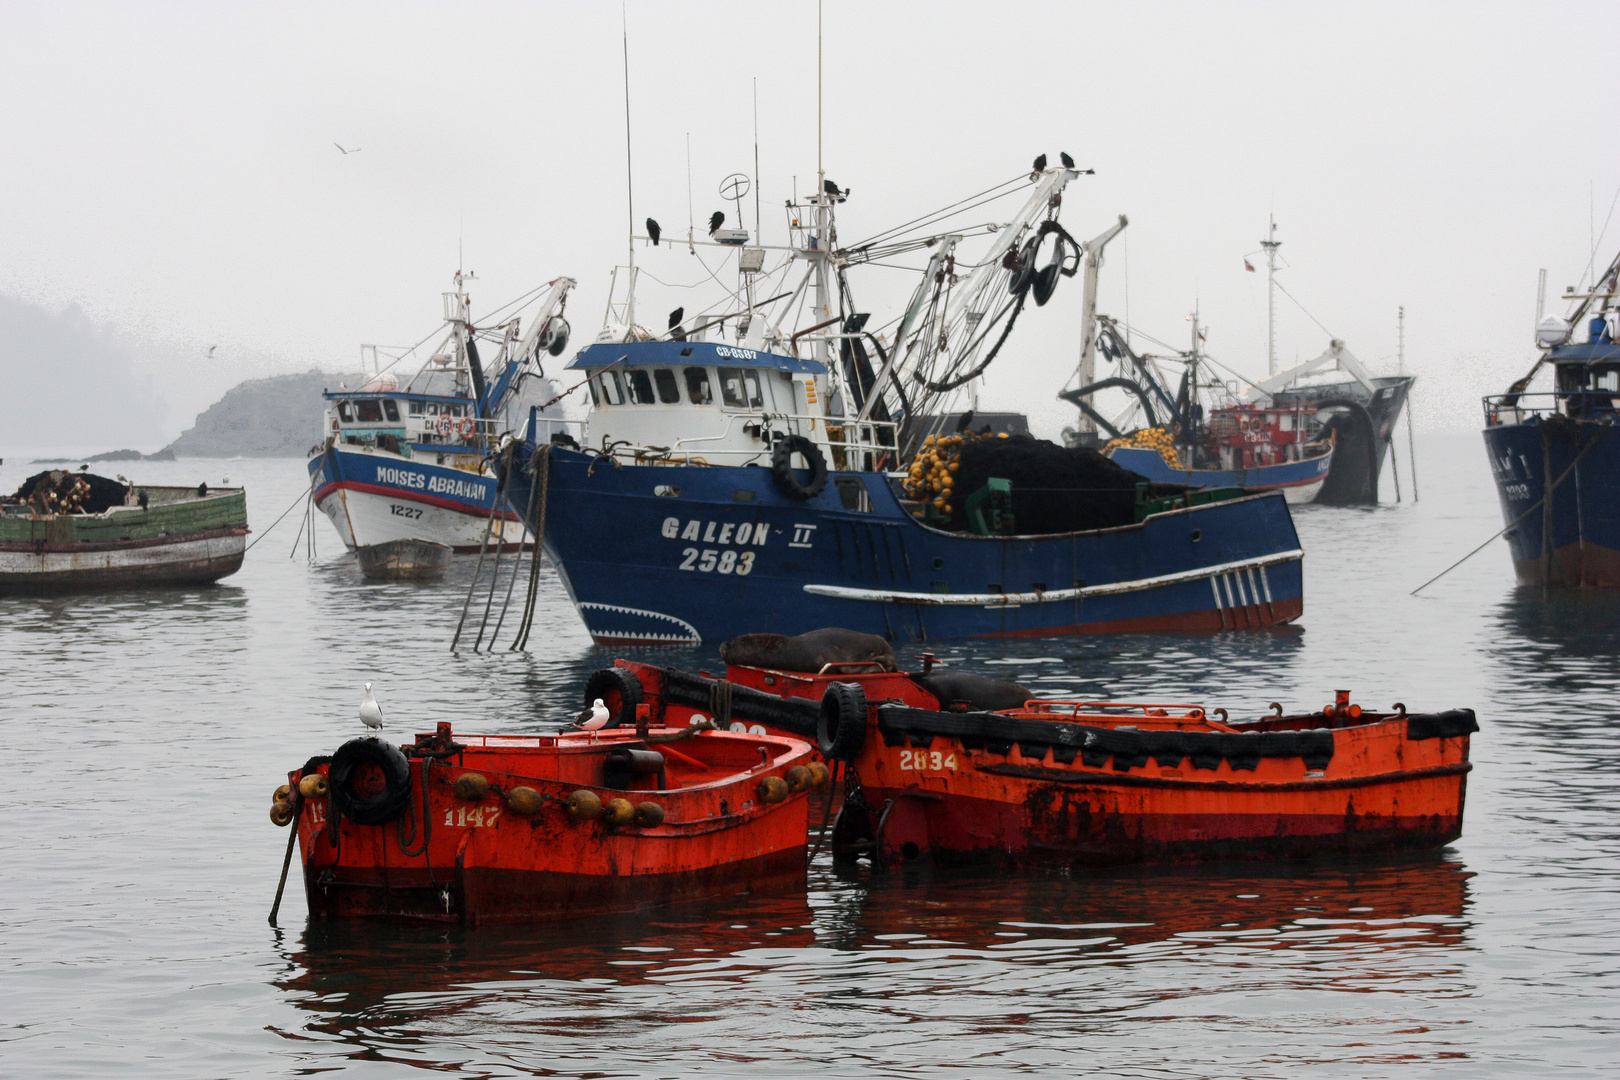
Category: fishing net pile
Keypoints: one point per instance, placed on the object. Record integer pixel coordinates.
(1152, 438)
(61, 492)
(1054, 488)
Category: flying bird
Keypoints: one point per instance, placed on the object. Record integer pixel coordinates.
(370, 711)
(356, 150)
(211, 349)
(1068, 162)
(1040, 163)
(654, 231)
(594, 718)
(716, 219)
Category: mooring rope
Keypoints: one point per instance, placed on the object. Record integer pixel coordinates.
(539, 486)
(478, 571)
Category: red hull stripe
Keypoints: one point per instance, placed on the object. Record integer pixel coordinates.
(403, 496)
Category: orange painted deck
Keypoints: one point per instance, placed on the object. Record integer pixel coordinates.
(515, 850)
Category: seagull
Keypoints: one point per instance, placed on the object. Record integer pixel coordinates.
(594, 718)
(716, 219)
(1068, 162)
(356, 150)
(654, 231)
(370, 712)
(1040, 164)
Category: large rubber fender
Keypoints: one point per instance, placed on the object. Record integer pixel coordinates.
(782, 467)
(841, 731)
(370, 780)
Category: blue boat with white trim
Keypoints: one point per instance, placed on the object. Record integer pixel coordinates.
(772, 484)
(410, 463)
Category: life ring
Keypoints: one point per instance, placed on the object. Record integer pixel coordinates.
(841, 727)
(370, 781)
(445, 425)
(467, 427)
(782, 467)
(619, 690)
(1243, 422)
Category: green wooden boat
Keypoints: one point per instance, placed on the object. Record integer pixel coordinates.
(73, 531)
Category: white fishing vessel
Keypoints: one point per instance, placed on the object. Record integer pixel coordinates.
(412, 461)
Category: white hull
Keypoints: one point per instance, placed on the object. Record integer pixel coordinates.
(1303, 493)
(364, 518)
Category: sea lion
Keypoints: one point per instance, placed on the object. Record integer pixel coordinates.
(956, 689)
(808, 652)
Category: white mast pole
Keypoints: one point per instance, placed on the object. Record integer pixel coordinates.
(1271, 244)
(629, 184)
(1400, 340)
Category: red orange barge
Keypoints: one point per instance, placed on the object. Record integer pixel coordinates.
(488, 828)
(1096, 783)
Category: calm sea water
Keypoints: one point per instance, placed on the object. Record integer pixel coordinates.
(146, 730)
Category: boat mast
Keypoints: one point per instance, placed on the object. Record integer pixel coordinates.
(1271, 244)
(1093, 251)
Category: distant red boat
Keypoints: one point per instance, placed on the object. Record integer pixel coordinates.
(1096, 783)
(494, 828)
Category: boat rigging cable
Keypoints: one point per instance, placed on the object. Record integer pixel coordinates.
(1528, 511)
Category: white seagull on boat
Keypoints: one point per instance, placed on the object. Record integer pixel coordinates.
(370, 712)
(594, 718)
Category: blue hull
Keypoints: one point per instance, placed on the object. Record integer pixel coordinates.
(721, 552)
(1583, 547)
(1283, 476)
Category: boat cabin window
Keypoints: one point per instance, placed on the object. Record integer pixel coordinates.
(416, 408)
(668, 392)
(739, 388)
(607, 389)
(853, 494)
(343, 412)
(639, 384)
(697, 386)
(391, 410)
(1607, 379)
(368, 411)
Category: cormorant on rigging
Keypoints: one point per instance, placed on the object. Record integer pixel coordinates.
(676, 333)
(1068, 162)
(834, 192)
(653, 231)
(1040, 164)
(716, 219)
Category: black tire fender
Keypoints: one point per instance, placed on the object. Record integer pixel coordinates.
(619, 690)
(782, 467)
(350, 765)
(1023, 275)
(841, 728)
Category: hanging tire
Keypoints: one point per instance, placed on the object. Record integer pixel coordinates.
(619, 690)
(841, 728)
(1023, 275)
(369, 781)
(782, 467)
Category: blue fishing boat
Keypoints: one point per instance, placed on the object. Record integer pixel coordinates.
(780, 479)
(1555, 455)
(410, 463)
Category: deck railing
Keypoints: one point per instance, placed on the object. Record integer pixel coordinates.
(1501, 409)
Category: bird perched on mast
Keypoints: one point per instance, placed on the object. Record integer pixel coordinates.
(371, 712)
(653, 231)
(716, 219)
(1040, 164)
(1068, 162)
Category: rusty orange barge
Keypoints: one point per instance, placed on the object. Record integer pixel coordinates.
(491, 828)
(1096, 783)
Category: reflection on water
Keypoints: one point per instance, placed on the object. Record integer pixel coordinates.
(148, 729)
(986, 968)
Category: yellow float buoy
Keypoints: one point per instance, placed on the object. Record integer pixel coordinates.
(649, 815)
(527, 801)
(619, 812)
(313, 786)
(471, 786)
(772, 789)
(584, 805)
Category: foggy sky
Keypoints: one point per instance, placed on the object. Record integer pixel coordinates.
(170, 168)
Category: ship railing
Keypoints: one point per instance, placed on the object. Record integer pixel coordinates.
(868, 446)
(1506, 409)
